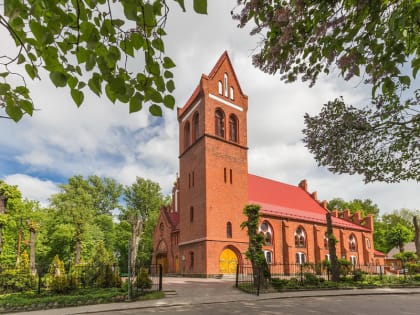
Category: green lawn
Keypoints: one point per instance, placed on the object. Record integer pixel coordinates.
(32, 301)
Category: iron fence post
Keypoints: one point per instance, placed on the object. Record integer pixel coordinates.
(237, 276)
(160, 277)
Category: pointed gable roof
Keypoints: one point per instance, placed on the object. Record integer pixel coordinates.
(292, 202)
(223, 58)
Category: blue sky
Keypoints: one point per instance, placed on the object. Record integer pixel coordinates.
(103, 139)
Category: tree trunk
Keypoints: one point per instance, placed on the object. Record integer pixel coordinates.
(335, 270)
(416, 236)
(32, 246)
(136, 230)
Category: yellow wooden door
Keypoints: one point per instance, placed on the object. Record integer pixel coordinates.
(228, 261)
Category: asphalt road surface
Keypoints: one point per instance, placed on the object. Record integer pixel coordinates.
(355, 305)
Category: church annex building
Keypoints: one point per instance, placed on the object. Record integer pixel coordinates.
(200, 234)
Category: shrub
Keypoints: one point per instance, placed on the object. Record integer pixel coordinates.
(311, 279)
(358, 275)
(143, 280)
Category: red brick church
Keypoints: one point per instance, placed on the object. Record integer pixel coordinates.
(200, 234)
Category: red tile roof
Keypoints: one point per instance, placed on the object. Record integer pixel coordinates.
(173, 218)
(292, 202)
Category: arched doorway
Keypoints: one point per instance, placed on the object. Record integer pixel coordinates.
(228, 261)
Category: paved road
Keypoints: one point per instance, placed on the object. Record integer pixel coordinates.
(343, 305)
(214, 296)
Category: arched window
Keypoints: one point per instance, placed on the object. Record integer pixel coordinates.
(368, 243)
(231, 93)
(233, 128)
(219, 123)
(352, 243)
(300, 237)
(196, 121)
(220, 87)
(225, 82)
(300, 258)
(267, 232)
(187, 134)
(229, 230)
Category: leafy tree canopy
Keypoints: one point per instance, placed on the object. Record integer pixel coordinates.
(399, 235)
(87, 44)
(376, 41)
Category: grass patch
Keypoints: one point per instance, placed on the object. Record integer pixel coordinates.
(31, 301)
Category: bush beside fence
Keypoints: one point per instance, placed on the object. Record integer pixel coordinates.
(60, 280)
(298, 276)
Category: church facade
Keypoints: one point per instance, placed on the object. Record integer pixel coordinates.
(200, 234)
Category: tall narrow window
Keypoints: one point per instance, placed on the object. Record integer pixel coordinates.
(300, 237)
(352, 243)
(191, 214)
(268, 256)
(196, 121)
(224, 174)
(231, 176)
(189, 180)
(326, 240)
(220, 87)
(231, 93)
(233, 128)
(193, 178)
(220, 123)
(229, 230)
(353, 260)
(225, 81)
(187, 134)
(300, 258)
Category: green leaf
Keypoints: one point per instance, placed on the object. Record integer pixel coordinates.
(168, 63)
(154, 95)
(130, 10)
(169, 101)
(77, 96)
(58, 78)
(149, 15)
(4, 88)
(90, 62)
(200, 6)
(136, 103)
(158, 44)
(27, 106)
(168, 74)
(136, 40)
(21, 59)
(37, 29)
(155, 110)
(404, 79)
(170, 86)
(181, 4)
(31, 70)
(94, 84)
(22, 90)
(110, 93)
(14, 112)
(388, 86)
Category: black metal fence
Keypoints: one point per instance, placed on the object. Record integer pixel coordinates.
(296, 275)
(82, 276)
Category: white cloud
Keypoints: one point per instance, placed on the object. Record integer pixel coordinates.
(33, 188)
